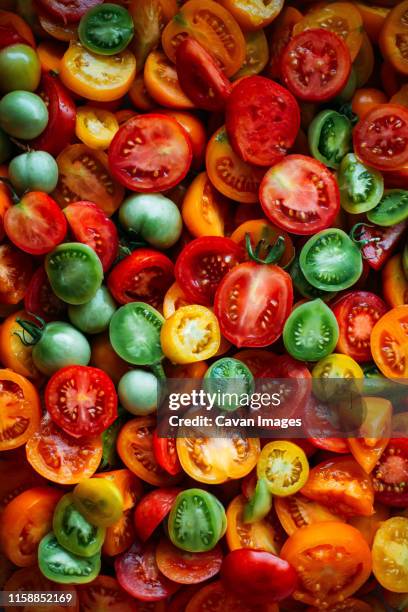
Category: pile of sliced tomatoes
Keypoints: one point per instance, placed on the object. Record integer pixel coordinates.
(215, 192)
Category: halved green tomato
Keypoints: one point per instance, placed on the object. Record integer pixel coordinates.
(392, 208)
(361, 187)
(330, 137)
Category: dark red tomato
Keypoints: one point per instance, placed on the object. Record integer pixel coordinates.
(60, 129)
(357, 312)
(71, 11)
(381, 137)
(81, 400)
(137, 573)
(143, 276)
(41, 300)
(315, 65)
(300, 195)
(262, 120)
(397, 178)
(379, 243)
(152, 509)
(90, 225)
(203, 263)
(150, 153)
(15, 273)
(165, 452)
(292, 380)
(269, 291)
(180, 600)
(319, 421)
(36, 224)
(200, 77)
(258, 576)
(185, 567)
(10, 36)
(390, 475)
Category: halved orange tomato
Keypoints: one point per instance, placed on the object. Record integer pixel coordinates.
(161, 82)
(296, 511)
(204, 209)
(20, 410)
(394, 37)
(395, 283)
(389, 344)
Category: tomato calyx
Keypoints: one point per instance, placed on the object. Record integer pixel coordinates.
(35, 330)
(274, 251)
(362, 242)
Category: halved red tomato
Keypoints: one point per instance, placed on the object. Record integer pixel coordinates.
(390, 475)
(150, 153)
(165, 451)
(357, 312)
(81, 400)
(315, 65)
(16, 271)
(268, 289)
(342, 485)
(381, 137)
(185, 567)
(300, 195)
(319, 426)
(262, 120)
(203, 263)
(40, 299)
(68, 11)
(152, 509)
(35, 224)
(143, 276)
(200, 76)
(138, 574)
(90, 225)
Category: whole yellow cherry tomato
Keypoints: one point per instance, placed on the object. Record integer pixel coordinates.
(97, 77)
(95, 127)
(99, 500)
(191, 334)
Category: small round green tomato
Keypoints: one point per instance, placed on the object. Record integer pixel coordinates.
(99, 500)
(60, 565)
(229, 376)
(23, 114)
(20, 68)
(33, 171)
(60, 345)
(138, 392)
(5, 147)
(93, 316)
(73, 531)
(74, 271)
(153, 217)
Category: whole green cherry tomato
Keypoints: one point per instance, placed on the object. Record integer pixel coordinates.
(134, 333)
(361, 187)
(56, 345)
(153, 217)
(311, 331)
(99, 500)
(64, 567)
(391, 209)
(5, 147)
(74, 271)
(331, 261)
(229, 376)
(93, 316)
(138, 392)
(20, 68)
(330, 137)
(33, 171)
(23, 114)
(73, 531)
(197, 521)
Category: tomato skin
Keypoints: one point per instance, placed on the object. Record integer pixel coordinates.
(36, 224)
(258, 576)
(60, 129)
(395, 283)
(153, 268)
(262, 120)
(152, 509)
(377, 252)
(200, 76)
(366, 99)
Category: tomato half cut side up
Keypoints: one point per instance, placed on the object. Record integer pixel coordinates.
(381, 137)
(152, 510)
(268, 289)
(315, 65)
(165, 451)
(40, 299)
(138, 574)
(203, 263)
(300, 195)
(390, 475)
(20, 410)
(81, 400)
(262, 120)
(150, 153)
(143, 276)
(90, 225)
(200, 76)
(185, 567)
